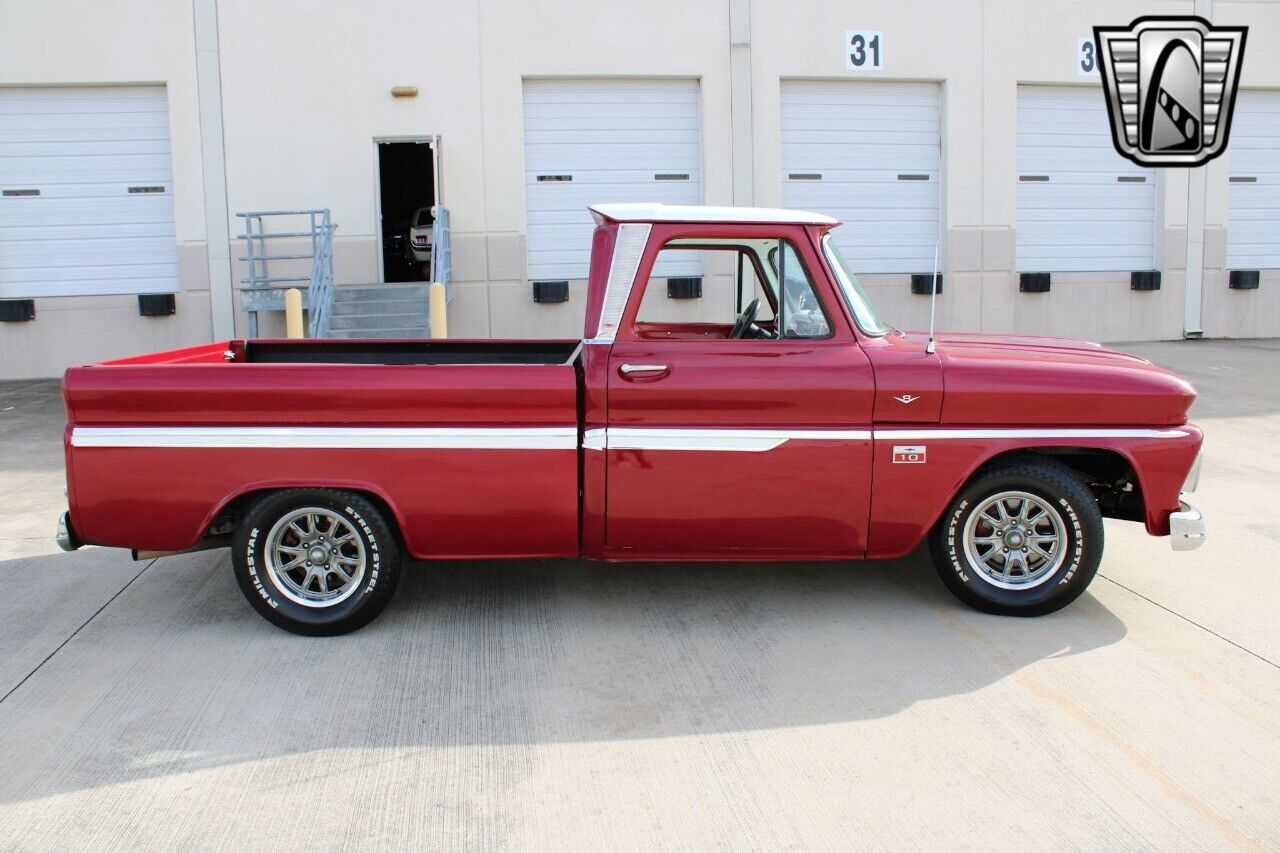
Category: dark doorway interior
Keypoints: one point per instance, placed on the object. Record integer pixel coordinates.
(406, 184)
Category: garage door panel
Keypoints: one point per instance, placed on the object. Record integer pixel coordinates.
(868, 153)
(105, 189)
(1255, 201)
(1253, 217)
(83, 148)
(1258, 231)
(87, 148)
(1083, 217)
(859, 136)
(80, 251)
(1100, 232)
(566, 159)
(68, 212)
(29, 131)
(73, 280)
(1102, 196)
(613, 138)
(819, 94)
(87, 231)
(110, 103)
(923, 214)
(907, 119)
(573, 115)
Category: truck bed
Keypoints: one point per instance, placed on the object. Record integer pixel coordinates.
(446, 433)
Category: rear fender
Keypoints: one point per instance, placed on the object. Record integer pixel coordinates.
(268, 486)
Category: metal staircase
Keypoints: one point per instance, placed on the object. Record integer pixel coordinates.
(377, 310)
(380, 311)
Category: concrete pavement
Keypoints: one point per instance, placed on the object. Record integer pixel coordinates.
(556, 704)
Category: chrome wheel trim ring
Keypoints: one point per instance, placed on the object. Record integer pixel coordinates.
(293, 551)
(1015, 540)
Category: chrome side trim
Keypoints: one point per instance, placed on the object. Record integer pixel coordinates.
(1016, 432)
(594, 439)
(443, 438)
(622, 277)
(726, 440)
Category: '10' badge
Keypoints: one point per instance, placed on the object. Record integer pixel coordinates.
(911, 454)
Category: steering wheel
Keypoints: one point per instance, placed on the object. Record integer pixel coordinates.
(745, 319)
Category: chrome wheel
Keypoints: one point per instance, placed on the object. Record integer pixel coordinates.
(315, 557)
(1015, 540)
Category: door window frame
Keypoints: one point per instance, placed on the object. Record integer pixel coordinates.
(724, 237)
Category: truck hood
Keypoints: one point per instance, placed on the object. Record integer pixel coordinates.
(1023, 379)
(1018, 344)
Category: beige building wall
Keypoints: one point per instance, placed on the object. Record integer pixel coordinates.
(71, 42)
(306, 92)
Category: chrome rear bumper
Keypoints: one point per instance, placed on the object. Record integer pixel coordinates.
(66, 535)
(1186, 528)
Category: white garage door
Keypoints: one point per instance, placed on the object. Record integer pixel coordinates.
(87, 201)
(592, 141)
(1081, 206)
(870, 155)
(1253, 221)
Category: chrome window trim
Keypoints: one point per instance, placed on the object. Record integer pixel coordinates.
(627, 251)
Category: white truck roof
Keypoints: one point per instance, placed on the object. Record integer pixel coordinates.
(654, 212)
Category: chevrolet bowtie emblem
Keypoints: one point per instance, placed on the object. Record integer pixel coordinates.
(1170, 84)
(906, 398)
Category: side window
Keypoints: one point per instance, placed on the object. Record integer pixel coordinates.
(736, 295)
(678, 298)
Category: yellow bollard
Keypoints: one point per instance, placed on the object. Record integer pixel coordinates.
(293, 313)
(439, 317)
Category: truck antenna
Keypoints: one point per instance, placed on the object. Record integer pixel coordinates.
(933, 299)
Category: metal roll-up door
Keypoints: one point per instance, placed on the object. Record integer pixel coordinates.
(1253, 219)
(868, 153)
(1081, 206)
(86, 192)
(594, 141)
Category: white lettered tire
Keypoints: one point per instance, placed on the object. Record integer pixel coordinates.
(1023, 538)
(315, 561)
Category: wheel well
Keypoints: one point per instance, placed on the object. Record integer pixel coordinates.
(1107, 474)
(228, 517)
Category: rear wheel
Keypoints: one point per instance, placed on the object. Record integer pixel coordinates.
(1024, 538)
(316, 562)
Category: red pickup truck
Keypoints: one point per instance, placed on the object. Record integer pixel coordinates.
(775, 417)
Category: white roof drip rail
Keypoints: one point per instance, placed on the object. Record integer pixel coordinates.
(654, 212)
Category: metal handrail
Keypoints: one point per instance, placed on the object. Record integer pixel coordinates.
(441, 250)
(319, 281)
(320, 288)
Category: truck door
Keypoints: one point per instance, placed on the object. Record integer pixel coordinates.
(729, 436)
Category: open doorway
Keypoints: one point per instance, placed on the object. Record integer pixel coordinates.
(406, 193)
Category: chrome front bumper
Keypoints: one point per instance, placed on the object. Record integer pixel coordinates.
(1186, 528)
(66, 535)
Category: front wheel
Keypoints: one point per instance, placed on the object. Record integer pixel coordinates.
(316, 562)
(1024, 538)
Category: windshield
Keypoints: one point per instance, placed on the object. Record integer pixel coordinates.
(423, 218)
(866, 316)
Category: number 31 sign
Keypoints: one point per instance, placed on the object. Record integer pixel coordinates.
(863, 50)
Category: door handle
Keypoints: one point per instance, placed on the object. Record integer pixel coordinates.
(643, 369)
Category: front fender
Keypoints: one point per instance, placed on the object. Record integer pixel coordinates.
(909, 498)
